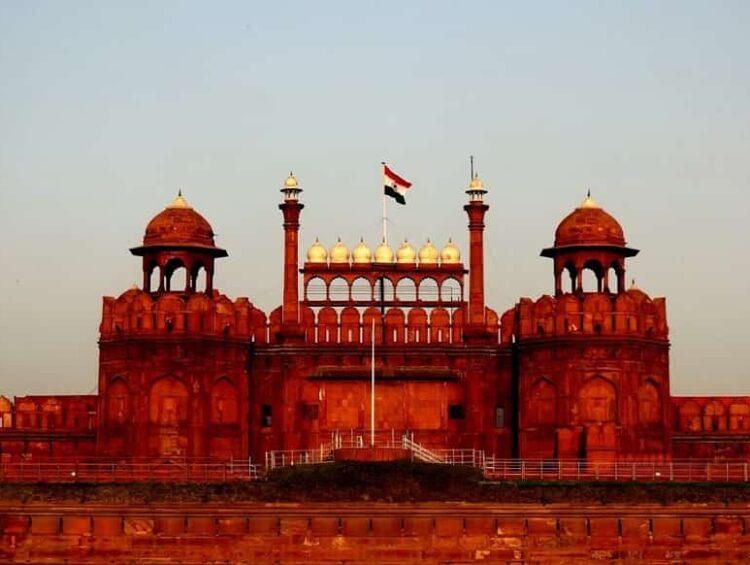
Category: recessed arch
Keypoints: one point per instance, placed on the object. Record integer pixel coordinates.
(224, 402)
(597, 401)
(118, 401)
(541, 404)
(168, 402)
(649, 403)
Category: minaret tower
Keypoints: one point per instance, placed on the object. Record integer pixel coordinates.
(291, 208)
(476, 209)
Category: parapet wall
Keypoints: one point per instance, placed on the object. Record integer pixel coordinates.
(372, 532)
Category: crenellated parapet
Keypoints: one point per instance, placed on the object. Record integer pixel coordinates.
(137, 313)
(629, 314)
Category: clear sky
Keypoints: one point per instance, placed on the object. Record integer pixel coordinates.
(106, 109)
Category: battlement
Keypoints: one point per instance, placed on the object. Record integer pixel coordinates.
(136, 313)
(628, 314)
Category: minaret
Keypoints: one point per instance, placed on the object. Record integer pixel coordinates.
(476, 209)
(291, 208)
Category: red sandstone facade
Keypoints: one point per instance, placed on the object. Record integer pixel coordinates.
(187, 371)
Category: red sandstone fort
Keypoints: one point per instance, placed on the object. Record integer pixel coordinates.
(185, 371)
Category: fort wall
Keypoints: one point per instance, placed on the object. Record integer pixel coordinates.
(426, 532)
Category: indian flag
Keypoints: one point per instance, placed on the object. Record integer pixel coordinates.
(394, 185)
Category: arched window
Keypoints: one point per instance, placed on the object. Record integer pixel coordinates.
(154, 276)
(450, 291)
(569, 283)
(428, 290)
(384, 289)
(175, 275)
(338, 289)
(316, 289)
(739, 417)
(361, 290)
(406, 290)
(593, 275)
(199, 278)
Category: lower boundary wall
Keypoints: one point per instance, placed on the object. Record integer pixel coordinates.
(374, 533)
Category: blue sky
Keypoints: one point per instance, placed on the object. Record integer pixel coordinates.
(106, 109)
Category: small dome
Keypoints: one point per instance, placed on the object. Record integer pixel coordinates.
(428, 254)
(339, 253)
(383, 253)
(361, 253)
(589, 224)
(476, 183)
(406, 253)
(179, 224)
(317, 253)
(291, 182)
(450, 253)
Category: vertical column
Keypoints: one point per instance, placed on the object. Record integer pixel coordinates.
(476, 209)
(291, 208)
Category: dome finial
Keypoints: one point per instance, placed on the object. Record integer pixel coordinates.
(179, 201)
(589, 202)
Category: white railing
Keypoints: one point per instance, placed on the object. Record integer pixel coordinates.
(418, 452)
(584, 470)
(107, 471)
(291, 457)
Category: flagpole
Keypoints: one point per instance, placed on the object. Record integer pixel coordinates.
(372, 386)
(385, 219)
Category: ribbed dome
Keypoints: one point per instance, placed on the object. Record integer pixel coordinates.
(428, 254)
(450, 253)
(317, 253)
(383, 253)
(339, 253)
(406, 253)
(179, 224)
(589, 224)
(361, 253)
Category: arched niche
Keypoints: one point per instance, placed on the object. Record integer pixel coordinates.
(118, 402)
(350, 327)
(714, 417)
(541, 404)
(327, 325)
(168, 402)
(198, 277)
(649, 403)
(597, 401)
(225, 406)
(690, 417)
(739, 417)
(439, 326)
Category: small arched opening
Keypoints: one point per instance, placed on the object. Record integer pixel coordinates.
(406, 290)
(361, 290)
(175, 275)
(338, 289)
(428, 290)
(451, 291)
(198, 278)
(315, 289)
(592, 276)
